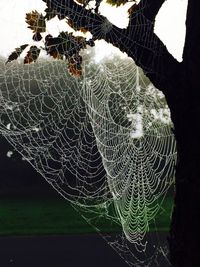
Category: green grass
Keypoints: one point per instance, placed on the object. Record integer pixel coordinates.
(57, 216)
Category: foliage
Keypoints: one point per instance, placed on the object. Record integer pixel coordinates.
(32, 55)
(36, 22)
(65, 46)
(117, 2)
(36, 216)
(15, 54)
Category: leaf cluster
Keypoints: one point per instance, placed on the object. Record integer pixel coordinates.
(15, 54)
(36, 22)
(66, 46)
(63, 47)
(32, 55)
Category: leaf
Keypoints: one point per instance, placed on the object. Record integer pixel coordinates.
(81, 41)
(56, 46)
(32, 55)
(65, 45)
(50, 13)
(74, 71)
(117, 2)
(60, 16)
(74, 66)
(56, 55)
(37, 37)
(36, 22)
(83, 30)
(90, 42)
(75, 27)
(14, 55)
(72, 24)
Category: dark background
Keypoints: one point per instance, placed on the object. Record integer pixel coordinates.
(18, 180)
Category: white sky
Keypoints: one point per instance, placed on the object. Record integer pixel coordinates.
(170, 23)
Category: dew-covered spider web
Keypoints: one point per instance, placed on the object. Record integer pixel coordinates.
(102, 140)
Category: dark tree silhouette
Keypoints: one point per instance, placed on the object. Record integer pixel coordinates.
(179, 83)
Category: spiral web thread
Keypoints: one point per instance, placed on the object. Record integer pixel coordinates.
(103, 141)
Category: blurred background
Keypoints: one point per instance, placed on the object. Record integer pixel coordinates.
(40, 228)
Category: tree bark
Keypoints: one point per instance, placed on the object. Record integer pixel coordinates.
(184, 237)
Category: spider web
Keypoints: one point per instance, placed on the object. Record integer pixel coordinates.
(103, 141)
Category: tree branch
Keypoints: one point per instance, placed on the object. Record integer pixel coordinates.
(139, 40)
(148, 8)
(191, 53)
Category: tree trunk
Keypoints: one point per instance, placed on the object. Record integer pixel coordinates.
(185, 234)
(184, 240)
(180, 84)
